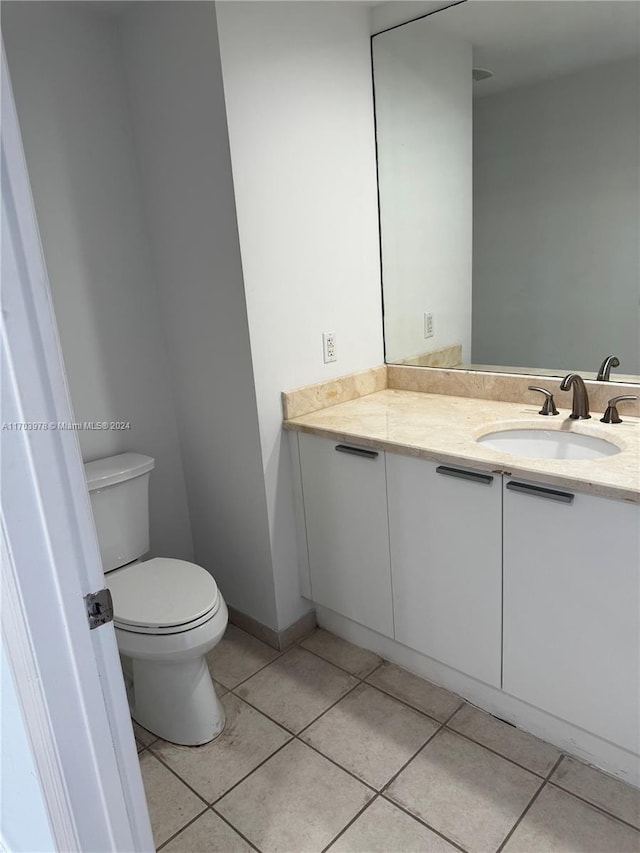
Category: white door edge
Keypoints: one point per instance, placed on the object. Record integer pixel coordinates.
(68, 678)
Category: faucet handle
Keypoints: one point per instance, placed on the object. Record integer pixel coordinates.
(549, 406)
(605, 368)
(611, 415)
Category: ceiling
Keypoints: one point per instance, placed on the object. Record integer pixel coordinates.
(524, 41)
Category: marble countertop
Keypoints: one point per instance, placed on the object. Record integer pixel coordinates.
(445, 428)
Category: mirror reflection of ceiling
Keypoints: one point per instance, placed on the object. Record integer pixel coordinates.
(534, 40)
(515, 236)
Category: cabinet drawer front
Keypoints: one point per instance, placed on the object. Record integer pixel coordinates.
(345, 504)
(445, 530)
(572, 610)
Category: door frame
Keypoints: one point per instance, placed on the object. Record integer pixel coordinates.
(68, 678)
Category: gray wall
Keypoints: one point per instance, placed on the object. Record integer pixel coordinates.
(298, 95)
(173, 66)
(556, 259)
(72, 107)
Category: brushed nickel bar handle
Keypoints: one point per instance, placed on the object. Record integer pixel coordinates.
(485, 479)
(357, 451)
(540, 492)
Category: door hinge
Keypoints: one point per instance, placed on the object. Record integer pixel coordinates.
(99, 608)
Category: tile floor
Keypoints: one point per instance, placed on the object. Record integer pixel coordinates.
(327, 747)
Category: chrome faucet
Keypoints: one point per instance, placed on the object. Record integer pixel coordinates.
(580, 408)
(605, 368)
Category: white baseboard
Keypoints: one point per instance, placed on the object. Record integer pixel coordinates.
(569, 738)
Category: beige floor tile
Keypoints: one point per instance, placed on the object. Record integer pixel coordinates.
(558, 823)
(208, 834)
(370, 734)
(521, 747)
(248, 738)
(237, 656)
(142, 735)
(383, 828)
(357, 661)
(421, 694)
(610, 794)
(219, 688)
(296, 801)
(171, 804)
(297, 687)
(467, 793)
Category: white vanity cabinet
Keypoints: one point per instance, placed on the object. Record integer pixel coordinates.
(531, 589)
(345, 508)
(572, 607)
(445, 528)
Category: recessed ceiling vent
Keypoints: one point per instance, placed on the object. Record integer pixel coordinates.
(481, 74)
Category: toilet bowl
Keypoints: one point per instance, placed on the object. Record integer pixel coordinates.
(168, 613)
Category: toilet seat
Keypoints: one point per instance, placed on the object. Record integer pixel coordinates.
(162, 596)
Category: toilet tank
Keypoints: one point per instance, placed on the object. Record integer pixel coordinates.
(119, 492)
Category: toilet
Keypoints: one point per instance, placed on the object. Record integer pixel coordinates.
(167, 613)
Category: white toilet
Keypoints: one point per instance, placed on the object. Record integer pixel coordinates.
(167, 613)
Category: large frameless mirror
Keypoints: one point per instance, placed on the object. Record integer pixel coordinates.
(508, 140)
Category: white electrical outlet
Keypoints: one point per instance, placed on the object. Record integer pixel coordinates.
(428, 325)
(329, 347)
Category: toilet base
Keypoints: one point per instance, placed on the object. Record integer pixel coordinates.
(177, 701)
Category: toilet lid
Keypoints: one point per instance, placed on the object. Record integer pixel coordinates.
(161, 593)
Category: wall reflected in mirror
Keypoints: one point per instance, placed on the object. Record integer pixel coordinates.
(508, 140)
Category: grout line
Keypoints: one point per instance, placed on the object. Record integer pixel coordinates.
(301, 640)
(311, 722)
(216, 800)
(390, 781)
(326, 710)
(339, 766)
(350, 823)
(264, 666)
(337, 665)
(598, 808)
(175, 834)
(282, 725)
(234, 828)
(178, 776)
(375, 669)
(264, 714)
(499, 754)
(452, 715)
(413, 707)
(554, 768)
(424, 823)
(525, 811)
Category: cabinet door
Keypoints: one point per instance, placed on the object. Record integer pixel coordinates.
(445, 528)
(345, 504)
(572, 608)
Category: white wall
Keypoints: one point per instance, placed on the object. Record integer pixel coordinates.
(173, 66)
(422, 79)
(397, 12)
(297, 83)
(556, 210)
(72, 107)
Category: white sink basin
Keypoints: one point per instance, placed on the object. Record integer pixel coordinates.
(547, 444)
